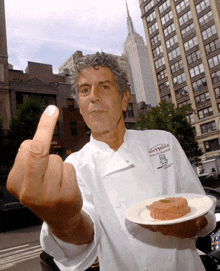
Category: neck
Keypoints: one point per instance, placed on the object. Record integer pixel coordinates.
(114, 138)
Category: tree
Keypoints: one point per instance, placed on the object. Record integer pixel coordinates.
(22, 126)
(166, 117)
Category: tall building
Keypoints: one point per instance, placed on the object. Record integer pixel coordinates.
(140, 74)
(184, 49)
(132, 113)
(4, 89)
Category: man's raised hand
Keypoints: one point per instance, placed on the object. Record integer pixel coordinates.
(45, 184)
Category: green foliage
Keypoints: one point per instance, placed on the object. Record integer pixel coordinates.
(166, 117)
(25, 121)
(22, 126)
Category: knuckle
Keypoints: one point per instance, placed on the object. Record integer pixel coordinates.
(36, 148)
(25, 144)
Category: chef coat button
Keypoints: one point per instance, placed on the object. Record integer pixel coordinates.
(170, 258)
(118, 205)
(127, 161)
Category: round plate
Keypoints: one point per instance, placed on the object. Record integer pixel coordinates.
(140, 214)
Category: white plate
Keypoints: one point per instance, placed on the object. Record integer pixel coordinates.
(140, 214)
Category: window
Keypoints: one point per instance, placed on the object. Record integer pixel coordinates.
(212, 145)
(214, 61)
(215, 77)
(157, 51)
(149, 5)
(212, 46)
(155, 39)
(182, 6)
(164, 6)
(184, 103)
(190, 118)
(188, 30)
(170, 42)
(185, 18)
(151, 17)
(179, 79)
(199, 84)
(176, 66)
(153, 28)
(202, 98)
(161, 75)
(164, 86)
(160, 62)
(193, 57)
(204, 113)
(73, 128)
(209, 32)
(70, 103)
(182, 92)
(206, 18)
(166, 98)
(169, 29)
(173, 54)
(130, 112)
(202, 5)
(217, 92)
(208, 127)
(190, 43)
(166, 17)
(196, 70)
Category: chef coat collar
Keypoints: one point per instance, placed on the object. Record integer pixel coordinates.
(105, 147)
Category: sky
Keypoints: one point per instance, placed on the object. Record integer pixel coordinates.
(50, 31)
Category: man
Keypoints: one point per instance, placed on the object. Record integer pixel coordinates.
(84, 200)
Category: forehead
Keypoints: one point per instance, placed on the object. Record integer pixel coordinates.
(99, 74)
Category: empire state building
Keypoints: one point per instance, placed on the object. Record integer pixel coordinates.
(141, 79)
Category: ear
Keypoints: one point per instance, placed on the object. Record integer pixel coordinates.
(125, 100)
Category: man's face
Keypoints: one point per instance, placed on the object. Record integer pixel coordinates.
(99, 98)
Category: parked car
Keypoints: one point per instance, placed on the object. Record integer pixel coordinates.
(14, 215)
(214, 192)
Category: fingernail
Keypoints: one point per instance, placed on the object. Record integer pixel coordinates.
(50, 110)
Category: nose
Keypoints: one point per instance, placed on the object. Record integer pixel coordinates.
(95, 95)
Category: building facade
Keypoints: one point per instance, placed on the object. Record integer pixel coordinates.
(139, 69)
(184, 49)
(39, 82)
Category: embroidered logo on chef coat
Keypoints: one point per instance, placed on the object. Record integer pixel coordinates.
(158, 152)
(164, 161)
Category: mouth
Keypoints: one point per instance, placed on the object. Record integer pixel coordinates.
(97, 111)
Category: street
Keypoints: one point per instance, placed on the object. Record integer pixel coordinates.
(20, 250)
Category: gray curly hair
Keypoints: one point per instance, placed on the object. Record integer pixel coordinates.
(104, 60)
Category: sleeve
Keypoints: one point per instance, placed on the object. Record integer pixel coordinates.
(188, 182)
(70, 257)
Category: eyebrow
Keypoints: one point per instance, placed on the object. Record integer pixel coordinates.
(104, 82)
(99, 83)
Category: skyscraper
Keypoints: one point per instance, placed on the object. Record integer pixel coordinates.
(141, 78)
(184, 49)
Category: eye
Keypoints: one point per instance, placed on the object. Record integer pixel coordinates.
(105, 87)
(84, 90)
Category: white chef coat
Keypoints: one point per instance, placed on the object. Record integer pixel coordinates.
(148, 164)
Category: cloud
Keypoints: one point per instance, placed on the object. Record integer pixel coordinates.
(66, 26)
